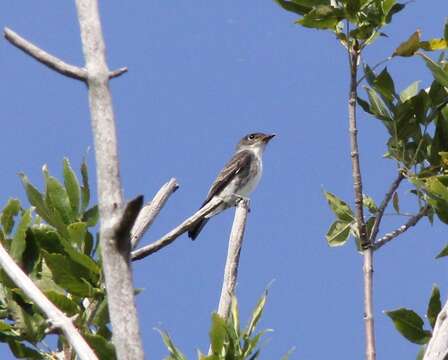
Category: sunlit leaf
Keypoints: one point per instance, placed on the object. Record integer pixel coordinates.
(217, 334)
(410, 91)
(10, 211)
(396, 202)
(409, 47)
(18, 244)
(173, 350)
(256, 314)
(338, 233)
(434, 44)
(85, 190)
(339, 207)
(72, 187)
(437, 71)
(103, 349)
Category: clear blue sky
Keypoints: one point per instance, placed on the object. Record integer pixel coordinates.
(201, 75)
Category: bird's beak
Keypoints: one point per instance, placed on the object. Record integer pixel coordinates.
(267, 138)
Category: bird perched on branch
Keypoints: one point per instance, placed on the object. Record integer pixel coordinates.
(238, 178)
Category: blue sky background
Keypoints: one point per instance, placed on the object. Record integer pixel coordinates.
(201, 75)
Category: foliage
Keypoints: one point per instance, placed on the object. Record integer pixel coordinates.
(411, 325)
(228, 341)
(53, 243)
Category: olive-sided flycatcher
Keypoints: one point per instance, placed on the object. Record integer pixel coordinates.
(238, 178)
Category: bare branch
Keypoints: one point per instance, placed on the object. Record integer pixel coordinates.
(55, 316)
(353, 57)
(45, 58)
(117, 269)
(150, 211)
(437, 348)
(52, 61)
(176, 232)
(118, 72)
(379, 216)
(393, 234)
(233, 258)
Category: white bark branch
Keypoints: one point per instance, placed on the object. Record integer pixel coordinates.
(150, 211)
(55, 316)
(52, 61)
(437, 348)
(116, 265)
(176, 232)
(393, 234)
(233, 258)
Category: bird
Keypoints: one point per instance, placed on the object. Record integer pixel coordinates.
(238, 178)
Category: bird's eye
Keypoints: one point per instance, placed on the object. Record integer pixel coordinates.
(251, 137)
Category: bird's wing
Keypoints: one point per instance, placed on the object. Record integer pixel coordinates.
(238, 162)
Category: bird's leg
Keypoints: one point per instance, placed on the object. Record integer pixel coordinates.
(239, 198)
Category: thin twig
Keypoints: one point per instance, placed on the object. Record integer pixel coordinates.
(150, 211)
(233, 258)
(52, 61)
(176, 232)
(393, 234)
(116, 267)
(379, 215)
(437, 348)
(55, 317)
(45, 58)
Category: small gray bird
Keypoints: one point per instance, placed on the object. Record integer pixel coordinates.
(238, 178)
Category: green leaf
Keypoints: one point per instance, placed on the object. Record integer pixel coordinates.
(77, 233)
(377, 105)
(443, 253)
(103, 349)
(434, 45)
(385, 85)
(66, 274)
(410, 91)
(57, 199)
(396, 202)
(434, 306)
(410, 325)
(31, 326)
(217, 334)
(72, 187)
(10, 211)
(440, 75)
(22, 351)
(365, 105)
(256, 315)
(35, 198)
(101, 317)
(173, 350)
(409, 47)
(63, 303)
(322, 17)
(394, 10)
(293, 7)
(338, 233)
(18, 244)
(85, 190)
(339, 207)
(91, 216)
(369, 203)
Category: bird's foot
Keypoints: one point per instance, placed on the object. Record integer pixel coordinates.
(239, 198)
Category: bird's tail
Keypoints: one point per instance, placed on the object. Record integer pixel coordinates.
(196, 229)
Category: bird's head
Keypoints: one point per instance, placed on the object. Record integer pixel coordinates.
(254, 141)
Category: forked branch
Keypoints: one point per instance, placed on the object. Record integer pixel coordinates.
(150, 211)
(52, 61)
